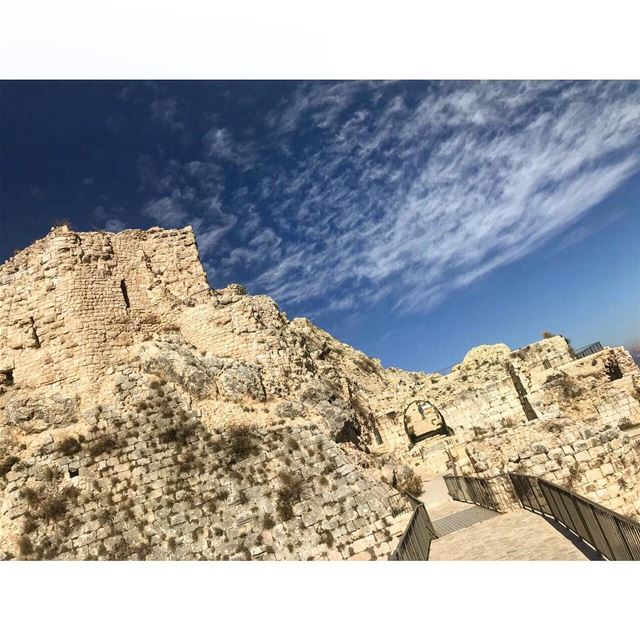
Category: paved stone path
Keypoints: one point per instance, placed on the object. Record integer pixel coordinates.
(519, 535)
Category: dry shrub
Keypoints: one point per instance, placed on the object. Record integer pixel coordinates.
(626, 423)
(101, 445)
(507, 423)
(7, 463)
(69, 446)
(267, 521)
(410, 482)
(25, 546)
(574, 475)
(292, 444)
(178, 435)
(52, 508)
(288, 494)
(365, 364)
(565, 385)
(326, 537)
(241, 443)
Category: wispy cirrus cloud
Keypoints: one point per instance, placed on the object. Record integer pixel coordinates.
(354, 194)
(219, 144)
(165, 110)
(410, 195)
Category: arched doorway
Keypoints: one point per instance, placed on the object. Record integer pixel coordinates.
(422, 420)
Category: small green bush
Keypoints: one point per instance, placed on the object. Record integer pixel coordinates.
(410, 483)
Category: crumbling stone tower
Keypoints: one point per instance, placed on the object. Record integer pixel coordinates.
(71, 302)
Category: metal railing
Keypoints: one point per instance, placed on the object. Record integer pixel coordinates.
(583, 352)
(415, 542)
(400, 503)
(492, 493)
(611, 534)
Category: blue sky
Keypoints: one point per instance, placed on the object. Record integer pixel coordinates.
(413, 220)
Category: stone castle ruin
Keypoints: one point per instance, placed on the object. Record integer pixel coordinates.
(146, 415)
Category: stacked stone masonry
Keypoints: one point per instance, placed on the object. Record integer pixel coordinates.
(128, 387)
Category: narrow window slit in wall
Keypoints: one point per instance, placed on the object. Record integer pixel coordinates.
(522, 394)
(6, 377)
(34, 334)
(125, 295)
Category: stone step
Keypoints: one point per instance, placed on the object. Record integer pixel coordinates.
(462, 520)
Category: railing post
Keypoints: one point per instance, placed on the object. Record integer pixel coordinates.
(517, 486)
(535, 495)
(584, 522)
(624, 539)
(604, 536)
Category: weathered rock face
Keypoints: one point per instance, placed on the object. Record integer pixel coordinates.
(145, 414)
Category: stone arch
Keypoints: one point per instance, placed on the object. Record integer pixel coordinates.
(431, 422)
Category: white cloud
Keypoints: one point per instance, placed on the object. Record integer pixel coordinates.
(219, 144)
(114, 225)
(167, 212)
(408, 195)
(354, 194)
(188, 193)
(165, 110)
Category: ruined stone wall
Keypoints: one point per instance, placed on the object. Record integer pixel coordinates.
(533, 361)
(599, 462)
(124, 378)
(492, 385)
(152, 475)
(249, 329)
(602, 389)
(494, 389)
(63, 314)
